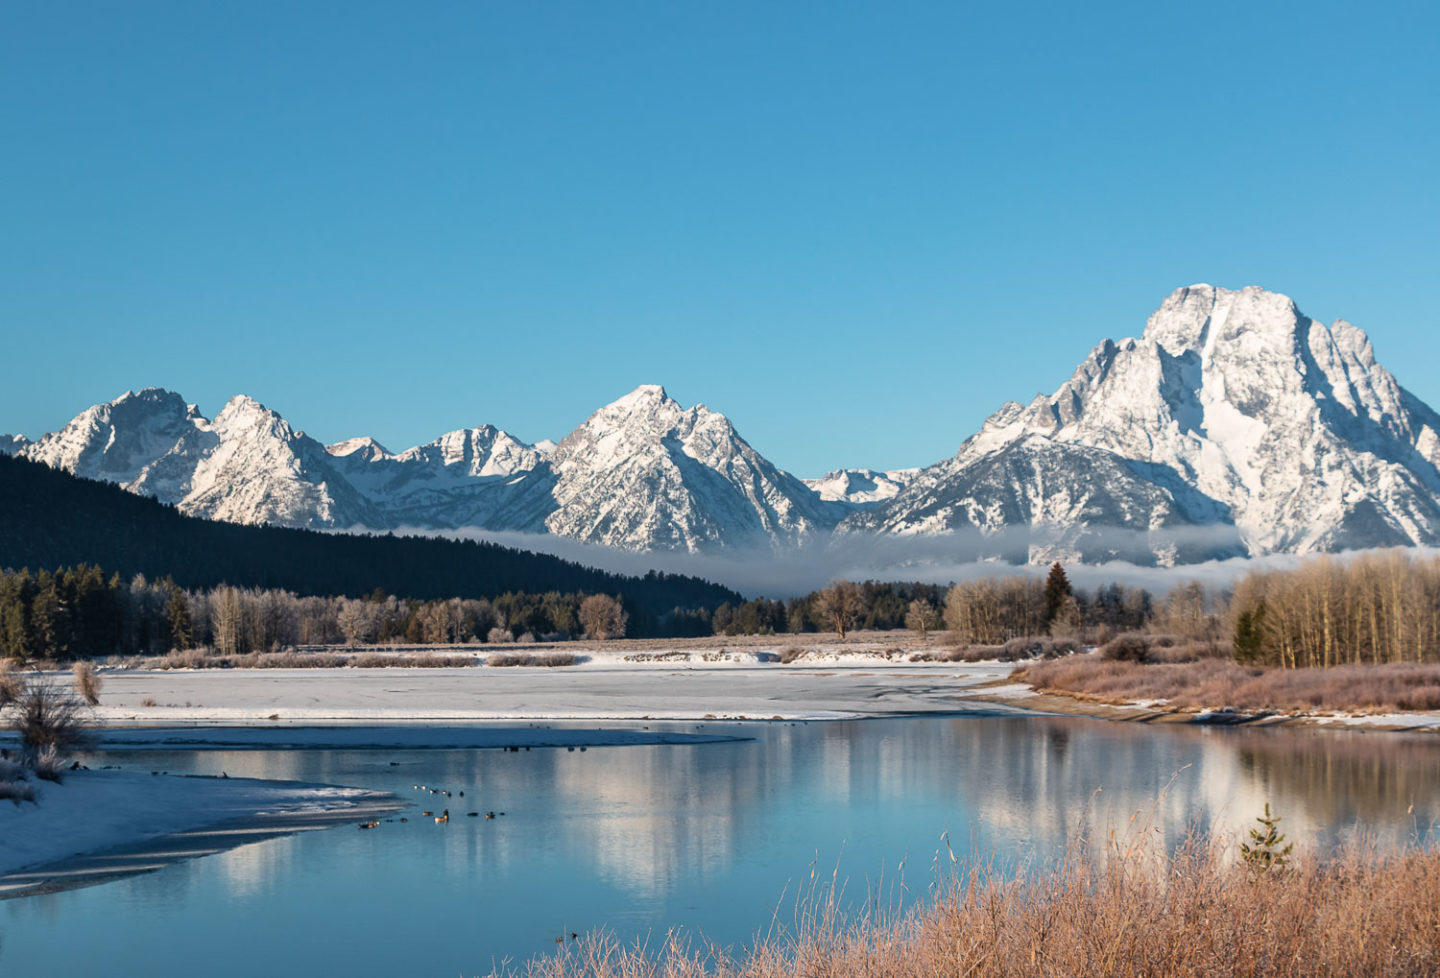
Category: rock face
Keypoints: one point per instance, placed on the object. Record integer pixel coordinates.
(1232, 409)
(1233, 425)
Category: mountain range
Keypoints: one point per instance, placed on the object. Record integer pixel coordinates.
(1233, 425)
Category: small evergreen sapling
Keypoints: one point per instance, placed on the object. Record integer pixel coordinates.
(1266, 853)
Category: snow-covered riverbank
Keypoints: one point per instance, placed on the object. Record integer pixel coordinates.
(136, 821)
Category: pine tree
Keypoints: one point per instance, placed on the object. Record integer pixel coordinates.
(1057, 589)
(1266, 854)
(177, 618)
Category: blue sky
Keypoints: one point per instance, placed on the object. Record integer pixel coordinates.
(855, 229)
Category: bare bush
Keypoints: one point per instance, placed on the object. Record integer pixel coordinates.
(498, 636)
(16, 792)
(500, 659)
(960, 654)
(147, 701)
(426, 660)
(183, 659)
(48, 718)
(49, 765)
(87, 682)
(790, 653)
(1129, 647)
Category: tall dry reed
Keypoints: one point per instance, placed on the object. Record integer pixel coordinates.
(1191, 914)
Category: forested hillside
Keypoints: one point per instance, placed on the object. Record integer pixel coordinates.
(49, 519)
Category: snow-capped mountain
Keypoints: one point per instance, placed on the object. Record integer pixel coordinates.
(644, 473)
(472, 477)
(860, 488)
(246, 466)
(1232, 409)
(1234, 424)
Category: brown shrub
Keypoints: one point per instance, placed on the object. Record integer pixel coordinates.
(532, 659)
(1129, 647)
(87, 683)
(425, 660)
(1217, 683)
(790, 653)
(960, 654)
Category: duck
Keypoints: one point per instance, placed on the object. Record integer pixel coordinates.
(442, 819)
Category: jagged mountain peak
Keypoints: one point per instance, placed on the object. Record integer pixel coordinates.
(1290, 429)
(1198, 316)
(364, 447)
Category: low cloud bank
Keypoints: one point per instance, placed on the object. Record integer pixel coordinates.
(937, 559)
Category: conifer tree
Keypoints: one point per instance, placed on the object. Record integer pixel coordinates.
(1266, 853)
(1057, 589)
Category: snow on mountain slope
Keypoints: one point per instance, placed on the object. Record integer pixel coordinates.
(263, 471)
(473, 477)
(860, 488)
(1234, 424)
(644, 473)
(1234, 405)
(246, 466)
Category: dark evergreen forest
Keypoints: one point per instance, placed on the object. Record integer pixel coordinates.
(50, 519)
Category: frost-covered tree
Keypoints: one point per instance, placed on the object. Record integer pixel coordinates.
(602, 617)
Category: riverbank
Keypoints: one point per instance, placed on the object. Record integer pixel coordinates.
(97, 825)
(1219, 692)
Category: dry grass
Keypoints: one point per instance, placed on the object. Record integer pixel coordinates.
(426, 660)
(1126, 913)
(1217, 683)
(532, 659)
(292, 659)
(87, 682)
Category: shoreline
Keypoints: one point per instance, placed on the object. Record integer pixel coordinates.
(1025, 697)
(120, 823)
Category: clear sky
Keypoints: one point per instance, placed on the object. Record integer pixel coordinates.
(856, 229)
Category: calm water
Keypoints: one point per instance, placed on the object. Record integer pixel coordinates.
(636, 839)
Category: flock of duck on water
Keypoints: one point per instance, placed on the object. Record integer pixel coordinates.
(440, 819)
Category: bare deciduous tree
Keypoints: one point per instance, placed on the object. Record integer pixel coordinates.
(602, 617)
(840, 604)
(920, 617)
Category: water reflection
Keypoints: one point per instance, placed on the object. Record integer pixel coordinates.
(641, 838)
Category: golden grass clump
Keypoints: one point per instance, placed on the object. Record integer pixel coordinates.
(1119, 912)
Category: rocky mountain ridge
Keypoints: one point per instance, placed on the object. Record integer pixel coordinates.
(1233, 425)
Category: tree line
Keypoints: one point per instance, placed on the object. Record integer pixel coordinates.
(79, 612)
(1376, 607)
